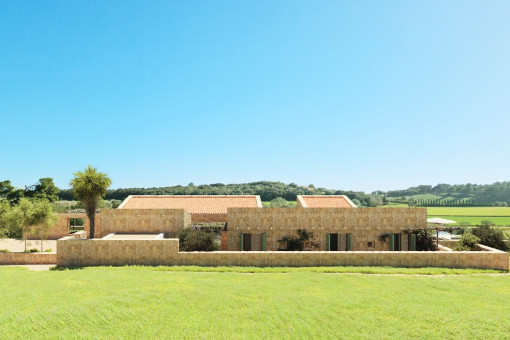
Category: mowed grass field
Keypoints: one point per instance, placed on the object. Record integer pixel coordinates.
(472, 215)
(148, 302)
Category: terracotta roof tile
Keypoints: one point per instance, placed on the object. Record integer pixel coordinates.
(195, 204)
(326, 201)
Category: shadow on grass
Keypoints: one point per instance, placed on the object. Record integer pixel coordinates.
(62, 268)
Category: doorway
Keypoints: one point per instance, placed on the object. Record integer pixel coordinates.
(397, 245)
(246, 242)
(333, 242)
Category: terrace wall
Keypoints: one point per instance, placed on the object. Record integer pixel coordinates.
(365, 224)
(166, 252)
(144, 221)
(28, 258)
(107, 252)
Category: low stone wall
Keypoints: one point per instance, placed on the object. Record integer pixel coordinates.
(166, 252)
(28, 258)
(100, 252)
(79, 235)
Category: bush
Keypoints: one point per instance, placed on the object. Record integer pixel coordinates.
(424, 241)
(297, 243)
(33, 250)
(490, 236)
(48, 250)
(280, 202)
(468, 242)
(5, 251)
(193, 239)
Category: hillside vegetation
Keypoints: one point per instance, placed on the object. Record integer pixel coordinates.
(267, 191)
(497, 194)
(459, 194)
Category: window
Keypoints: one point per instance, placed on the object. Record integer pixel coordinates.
(371, 244)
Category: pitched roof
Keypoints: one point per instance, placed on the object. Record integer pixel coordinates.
(193, 204)
(325, 201)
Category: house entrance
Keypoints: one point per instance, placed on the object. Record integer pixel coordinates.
(247, 242)
(333, 242)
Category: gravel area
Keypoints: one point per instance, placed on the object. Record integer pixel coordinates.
(19, 245)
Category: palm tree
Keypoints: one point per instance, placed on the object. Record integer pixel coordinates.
(89, 187)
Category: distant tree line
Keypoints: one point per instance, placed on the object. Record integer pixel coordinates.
(448, 203)
(458, 194)
(268, 191)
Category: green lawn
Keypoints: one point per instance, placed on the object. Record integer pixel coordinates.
(147, 302)
(472, 215)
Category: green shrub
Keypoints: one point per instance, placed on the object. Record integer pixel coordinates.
(280, 202)
(490, 236)
(425, 241)
(49, 250)
(5, 251)
(468, 242)
(194, 239)
(33, 250)
(297, 243)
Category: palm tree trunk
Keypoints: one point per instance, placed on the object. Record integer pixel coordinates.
(92, 220)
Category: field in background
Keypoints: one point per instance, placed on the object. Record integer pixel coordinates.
(472, 215)
(469, 211)
(149, 302)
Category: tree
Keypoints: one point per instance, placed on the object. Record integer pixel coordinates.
(89, 186)
(280, 202)
(4, 209)
(43, 219)
(468, 242)
(27, 216)
(45, 188)
(375, 201)
(490, 236)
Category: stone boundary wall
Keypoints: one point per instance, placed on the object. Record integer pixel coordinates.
(105, 252)
(365, 224)
(28, 258)
(144, 221)
(166, 252)
(79, 235)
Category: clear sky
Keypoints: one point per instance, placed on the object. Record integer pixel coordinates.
(360, 95)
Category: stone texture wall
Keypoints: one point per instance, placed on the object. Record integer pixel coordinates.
(28, 258)
(166, 252)
(61, 227)
(208, 218)
(99, 252)
(144, 221)
(79, 235)
(365, 225)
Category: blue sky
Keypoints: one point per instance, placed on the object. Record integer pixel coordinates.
(342, 94)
